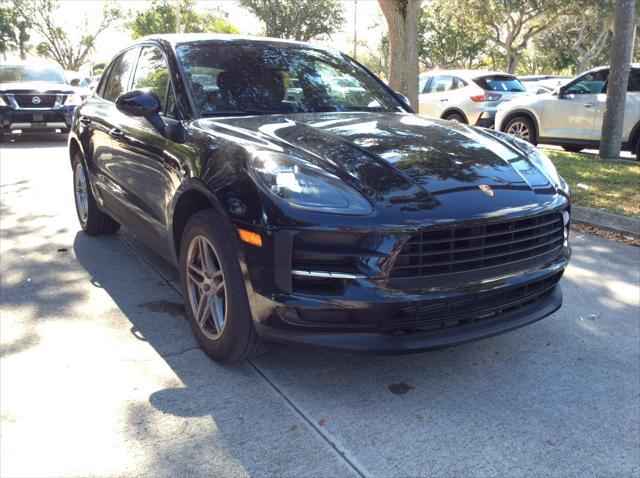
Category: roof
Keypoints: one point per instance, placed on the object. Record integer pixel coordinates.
(466, 74)
(175, 38)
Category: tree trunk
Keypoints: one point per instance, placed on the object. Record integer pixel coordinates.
(512, 61)
(402, 19)
(611, 139)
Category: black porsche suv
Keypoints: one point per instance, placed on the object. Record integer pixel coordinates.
(324, 217)
(35, 98)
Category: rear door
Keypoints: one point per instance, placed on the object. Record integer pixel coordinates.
(435, 100)
(631, 109)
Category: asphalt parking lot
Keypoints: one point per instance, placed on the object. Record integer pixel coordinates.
(100, 375)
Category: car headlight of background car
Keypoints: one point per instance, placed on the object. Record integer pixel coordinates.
(305, 185)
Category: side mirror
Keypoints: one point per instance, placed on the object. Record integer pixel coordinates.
(143, 103)
(138, 103)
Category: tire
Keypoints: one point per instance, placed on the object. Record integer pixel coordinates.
(456, 117)
(638, 148)
(572, 148)
(1, 137)
(216, 286)
(523, 128)
(92, 221)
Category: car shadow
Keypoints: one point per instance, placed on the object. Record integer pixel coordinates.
(29, 140)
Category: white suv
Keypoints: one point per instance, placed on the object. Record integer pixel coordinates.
(466, 96)
(571, 117)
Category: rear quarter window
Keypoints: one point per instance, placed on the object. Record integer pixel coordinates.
(501, 83)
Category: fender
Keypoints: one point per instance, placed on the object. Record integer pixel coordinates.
(520, 112)
(454, 110)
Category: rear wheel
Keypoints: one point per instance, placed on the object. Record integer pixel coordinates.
(92, 220)
(213, 289)
(638, 148)
(522, 127)
(458, 118)
(572, 148)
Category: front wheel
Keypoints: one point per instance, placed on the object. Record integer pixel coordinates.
(92, 220)
(638, 148)
(213, 290)
(455, 117)
(522, 127)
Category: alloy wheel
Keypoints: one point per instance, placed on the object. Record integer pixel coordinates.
(81, 193)
(519, 130)
(206, 287)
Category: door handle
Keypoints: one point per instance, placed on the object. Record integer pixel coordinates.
(588, 105)
(85, 121)
(116, 133)
(444, 99)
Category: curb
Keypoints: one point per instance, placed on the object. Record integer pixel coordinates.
(587, 216)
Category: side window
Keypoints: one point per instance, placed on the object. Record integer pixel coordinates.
(440, 84)
(422, 83)
(152, 72)
(118, 80)
(458, 83)
(634, 81)
(589, 84)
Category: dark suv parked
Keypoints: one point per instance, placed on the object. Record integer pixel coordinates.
(321, 218)
(35, 98)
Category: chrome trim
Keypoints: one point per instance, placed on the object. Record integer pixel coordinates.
(54, 124)
(59, 103)
(330, 275)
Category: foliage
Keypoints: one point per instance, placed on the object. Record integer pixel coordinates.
(161, 17)
(612, 185)
(300, 20)
(98, 68)
(449, 39)
(14, 29)
(512, 24)
(70, 53)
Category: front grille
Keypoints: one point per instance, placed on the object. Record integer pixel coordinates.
(468, 309)
(470, 248)
(37, 118)
(26, 101)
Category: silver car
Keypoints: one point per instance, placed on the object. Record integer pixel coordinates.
(571, 117)
(466, 96)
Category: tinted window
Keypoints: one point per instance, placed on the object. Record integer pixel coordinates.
(458, 83)
(440, 84)
(634, 81)
(152, 72)
(500, 83)
(591, 83)
(266, 78)
(119, 76)
(15, 73)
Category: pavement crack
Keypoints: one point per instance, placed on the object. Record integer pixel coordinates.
(175, 354)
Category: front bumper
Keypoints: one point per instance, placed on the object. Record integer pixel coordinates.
(383, 312)
(35, 120)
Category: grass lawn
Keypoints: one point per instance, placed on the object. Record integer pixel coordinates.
(612, 186)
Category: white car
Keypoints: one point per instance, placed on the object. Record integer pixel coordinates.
(571, 117)
(466, 96)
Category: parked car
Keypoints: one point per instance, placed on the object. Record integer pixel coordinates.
(572, 116)
(466, 96)
(310, 219)
(35, 97)
(539, 84)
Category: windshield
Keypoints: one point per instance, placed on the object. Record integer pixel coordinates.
(261, 78)
(15, 73)
(500, 83)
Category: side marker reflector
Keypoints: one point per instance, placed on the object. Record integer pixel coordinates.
(250, 237)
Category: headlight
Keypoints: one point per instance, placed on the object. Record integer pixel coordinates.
(305, 185)
(73, 100)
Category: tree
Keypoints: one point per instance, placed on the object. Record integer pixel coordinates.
(448, 39)
(161, 17)
(300, 20)
(402, 20)
(70, 53)
(512, 24)
(14, 29)
(623, 36)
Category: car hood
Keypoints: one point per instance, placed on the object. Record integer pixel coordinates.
(404, 159)
(27, 87)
